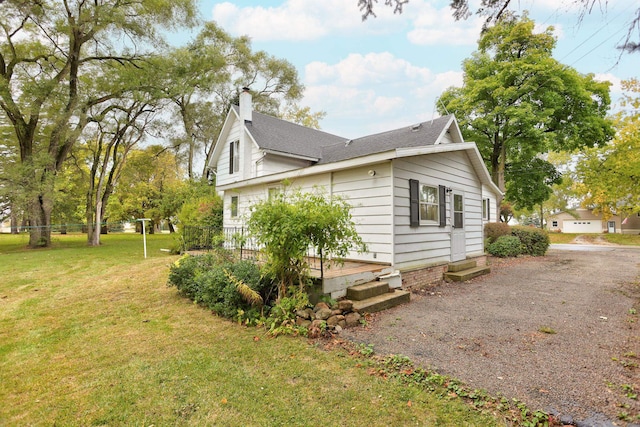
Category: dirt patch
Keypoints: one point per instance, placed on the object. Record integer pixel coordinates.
(558, 332)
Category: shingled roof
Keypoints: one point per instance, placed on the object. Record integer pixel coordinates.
(277, 135)
(281, 136)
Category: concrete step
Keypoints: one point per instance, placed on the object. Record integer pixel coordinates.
(465, 264)
(382, 302)
(367, 290)
(462, 276)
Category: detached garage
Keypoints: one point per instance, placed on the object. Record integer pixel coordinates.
(582, 226)
(583, 221)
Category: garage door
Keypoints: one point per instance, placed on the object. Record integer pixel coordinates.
(582, 226)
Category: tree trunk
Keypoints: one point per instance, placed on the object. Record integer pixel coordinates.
(14, 222)
(40, 219)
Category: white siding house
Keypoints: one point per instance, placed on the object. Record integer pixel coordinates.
(420, 195)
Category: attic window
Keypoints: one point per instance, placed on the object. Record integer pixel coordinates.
(346, 144)
(234, 157)
(416, 128)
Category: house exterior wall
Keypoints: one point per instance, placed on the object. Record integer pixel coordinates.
(632, 225)
(430, 244)
(372, 212)
(270, 164)
(222, 167)
(370, 198)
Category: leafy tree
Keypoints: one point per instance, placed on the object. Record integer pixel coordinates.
(287, 225)
(608, 176)
(518, 102)
(51, 53)
(202, 81)
(493, 10)
(303, 116)
(201, 205)
(147, 178)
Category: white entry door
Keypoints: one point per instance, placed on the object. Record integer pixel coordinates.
(458, 244)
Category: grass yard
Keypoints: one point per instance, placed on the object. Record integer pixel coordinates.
(619, 239)
(93, 336)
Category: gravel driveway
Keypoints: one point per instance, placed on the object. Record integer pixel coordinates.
(488, 332)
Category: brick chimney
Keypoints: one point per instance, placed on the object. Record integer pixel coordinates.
(246, 106)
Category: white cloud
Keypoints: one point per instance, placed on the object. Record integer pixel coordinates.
(433, 26)
(379, 89)
(292, 20)
(615, 88)
(372, 68)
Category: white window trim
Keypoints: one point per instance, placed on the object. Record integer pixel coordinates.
(231, 206)
(236, 156)
(435, 221)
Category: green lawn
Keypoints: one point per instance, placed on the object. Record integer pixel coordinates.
(93, 336)
(619, 239)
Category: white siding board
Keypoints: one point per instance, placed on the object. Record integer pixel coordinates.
(372, 212)
(428, 244)
(222, 167)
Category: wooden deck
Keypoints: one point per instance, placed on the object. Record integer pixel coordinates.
(348, 268)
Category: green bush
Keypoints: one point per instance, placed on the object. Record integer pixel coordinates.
(205, 280)
(505, 246)
(534, 240)
(493, 230)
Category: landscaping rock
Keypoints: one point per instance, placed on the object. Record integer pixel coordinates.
(338, 329)
(352, 319)
(303, 314)
(320, 306)
(345, 305)
(323, 313)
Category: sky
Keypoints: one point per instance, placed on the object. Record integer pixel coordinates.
(387, 72)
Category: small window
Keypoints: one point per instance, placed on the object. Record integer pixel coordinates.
(234, 157)
(429, 203)
(486, 209)
(234, 206)
(458, 211)
(554, 223)
(273, 192)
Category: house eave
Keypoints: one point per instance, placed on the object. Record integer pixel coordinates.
(371, 159)
(290, 155)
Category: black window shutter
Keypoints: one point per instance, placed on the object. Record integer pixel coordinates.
(442, 204)
(414, 203)
(488, 209)
(230, 157)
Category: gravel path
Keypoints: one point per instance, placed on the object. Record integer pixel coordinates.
(487, 332)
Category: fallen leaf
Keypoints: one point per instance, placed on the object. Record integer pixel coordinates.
(256, 339)
(223, 401)
(409, 404)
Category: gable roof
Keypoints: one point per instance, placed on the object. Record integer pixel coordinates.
(420, 135)
(287, 138)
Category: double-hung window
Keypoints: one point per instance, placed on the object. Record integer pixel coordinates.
(428, 203)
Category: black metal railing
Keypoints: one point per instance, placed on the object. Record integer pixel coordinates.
(200, 238)
(237, 239)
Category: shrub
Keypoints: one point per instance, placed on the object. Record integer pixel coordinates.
(217, 282)
(493, 230)
(505, 246)
(534, 240)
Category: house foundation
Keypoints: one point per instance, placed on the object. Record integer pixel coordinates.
(431, 276)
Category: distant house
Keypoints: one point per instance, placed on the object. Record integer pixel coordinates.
(586, 221)
(420, 194)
